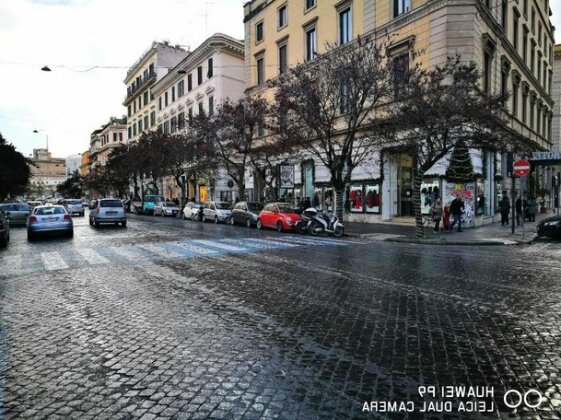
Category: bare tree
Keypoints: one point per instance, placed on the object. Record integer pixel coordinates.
(328, 107)
(439, 108)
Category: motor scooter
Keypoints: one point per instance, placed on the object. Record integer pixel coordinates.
(324, 223)
(306, 217)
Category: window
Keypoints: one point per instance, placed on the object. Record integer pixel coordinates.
(532, 108)
(145, 100)
(532, 56)
(121, 136)
(180, 89)
(310, 4)
(259, 32)
(539, 75)
(181, 121)
(166, 127)
(345, 26)
(525, 7)
(524, 103)
(173, 94)
(140, 126)
(146, 122)
(260, 70)
(515, 30)
(525, 46)
(283, 16)
(311, 44)
(166, 99)
(515, 93)
(201, 108)
(539, 119)
(400, 7)
(130, 133)
(540, 33)
(173, 125)
(189, 83)
(400, 68)
(134, 107)
(211, 105)
(199, 75)
(504, 82)
(533, 23)
(282, 59)
(504, 14)
(129, 111)
(134, 130)
(345, 97)
(114, 137)
(210, 71)
(152, 119)
(487, 70)
(190, 113)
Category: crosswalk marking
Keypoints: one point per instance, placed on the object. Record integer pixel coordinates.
(249, 244)
(275, 243)
(53, 261)
(158, 250)
(310, 241)
(196, 249)
(220, 245)
(126, 253)
(92, 256)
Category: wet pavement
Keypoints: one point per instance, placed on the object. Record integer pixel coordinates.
(178, 319)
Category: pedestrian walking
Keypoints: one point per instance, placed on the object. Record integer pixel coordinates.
(436, 214)
(504, 208)
(532, 208)
(456, 210)
(519, 207)
(446, 218)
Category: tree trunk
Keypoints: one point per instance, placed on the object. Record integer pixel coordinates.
(241, 191)
(339, 199)
(419, 227)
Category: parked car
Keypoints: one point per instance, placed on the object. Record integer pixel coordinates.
(246, 213)
(279, 216)
(49, 219)
(108, 210)
(4, 229)
(146, 205)
(216, 211)
(16, 213)
(74, 207)
(166, 208)
(33, 204)
(93, 204)
(191, 210)
(85, 203)
(550, 227)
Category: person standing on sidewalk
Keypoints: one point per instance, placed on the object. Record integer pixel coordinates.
(519, 206)
(436, 214)
(532, 208)
(504, 208)
(456, 210)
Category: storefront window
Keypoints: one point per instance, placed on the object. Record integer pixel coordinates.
(498, 195)
(355, 198)
(430, 191)
(328, 198)
(480, 199)
(373, 198)
(317, 201)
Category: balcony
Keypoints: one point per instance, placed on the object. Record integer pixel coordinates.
(137, 87)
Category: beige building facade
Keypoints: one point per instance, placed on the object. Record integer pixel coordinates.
(510, 41)
(47, 173)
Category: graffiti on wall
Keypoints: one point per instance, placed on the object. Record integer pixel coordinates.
(466, 191)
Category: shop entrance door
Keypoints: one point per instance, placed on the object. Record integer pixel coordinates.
(308, 180)
(405, 176)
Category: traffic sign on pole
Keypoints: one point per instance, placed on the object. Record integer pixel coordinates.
(521, 167)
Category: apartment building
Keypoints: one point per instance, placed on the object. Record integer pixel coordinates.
(200, 82)
(72, 164)
(47, 173)
(556, 96)
(103, 140)
(510, 41)
(141, 76)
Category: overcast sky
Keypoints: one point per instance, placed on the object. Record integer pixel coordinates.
(71, 36)
(67, 104)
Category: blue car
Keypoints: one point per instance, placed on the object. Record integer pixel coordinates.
(49, 219)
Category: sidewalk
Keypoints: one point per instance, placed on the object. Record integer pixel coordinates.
(491, 234)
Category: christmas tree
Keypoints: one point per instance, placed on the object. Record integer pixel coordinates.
(460, 168)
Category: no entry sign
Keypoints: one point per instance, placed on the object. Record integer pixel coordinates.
(521, 167)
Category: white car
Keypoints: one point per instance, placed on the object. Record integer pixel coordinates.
(108, 210)
(191, 210)
(216, 211)
(166, 208)
(74, 207)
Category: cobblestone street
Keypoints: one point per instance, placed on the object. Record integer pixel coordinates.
(178, 319)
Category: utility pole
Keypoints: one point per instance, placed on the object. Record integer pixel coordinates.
(512, 193)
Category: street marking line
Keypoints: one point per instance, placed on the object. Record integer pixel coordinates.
(309, 241)
(219, 245)
(92, 256)
(160, 251)
(273, 242)
(53, 261)
(126, 253)
(197, 249)
(248, 244)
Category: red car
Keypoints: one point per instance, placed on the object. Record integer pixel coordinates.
(279, 216)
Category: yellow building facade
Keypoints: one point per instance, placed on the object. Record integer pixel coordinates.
(511, 41)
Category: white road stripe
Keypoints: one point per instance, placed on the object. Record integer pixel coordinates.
(92, 256)
(273, 242)
(53, 261)
(220, 245)
(126, 253)
(246, 242)
(11, 265)
(195, 249)
(162, 252)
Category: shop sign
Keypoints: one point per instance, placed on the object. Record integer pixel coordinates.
(286, 176)
(554, 155)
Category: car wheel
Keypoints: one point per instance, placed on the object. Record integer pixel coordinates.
(231, 221)
(183, 216)
(3, 241)
(193, 218)
(215, 220)
(124, 223)
(91, 222)
(116, 223)
(204, 218)
(70, 234)
(248, 223)
(96, 223)
(30, 236)
(279, 226)
(259, 224)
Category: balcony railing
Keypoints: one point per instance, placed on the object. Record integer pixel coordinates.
(132, 90)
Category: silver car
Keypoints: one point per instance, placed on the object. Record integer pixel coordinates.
(108, 210)
(74, 207)
(48, 219)
(166, 208)
(216, 211)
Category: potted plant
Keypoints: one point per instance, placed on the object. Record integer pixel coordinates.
(542, 192)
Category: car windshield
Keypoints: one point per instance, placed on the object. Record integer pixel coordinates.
(170, 204)
(153, 199)
(74, 202)
(255, 206)
(286, 208)
(222, 206)
(46, 211)
(20, 207)
(110, 203)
